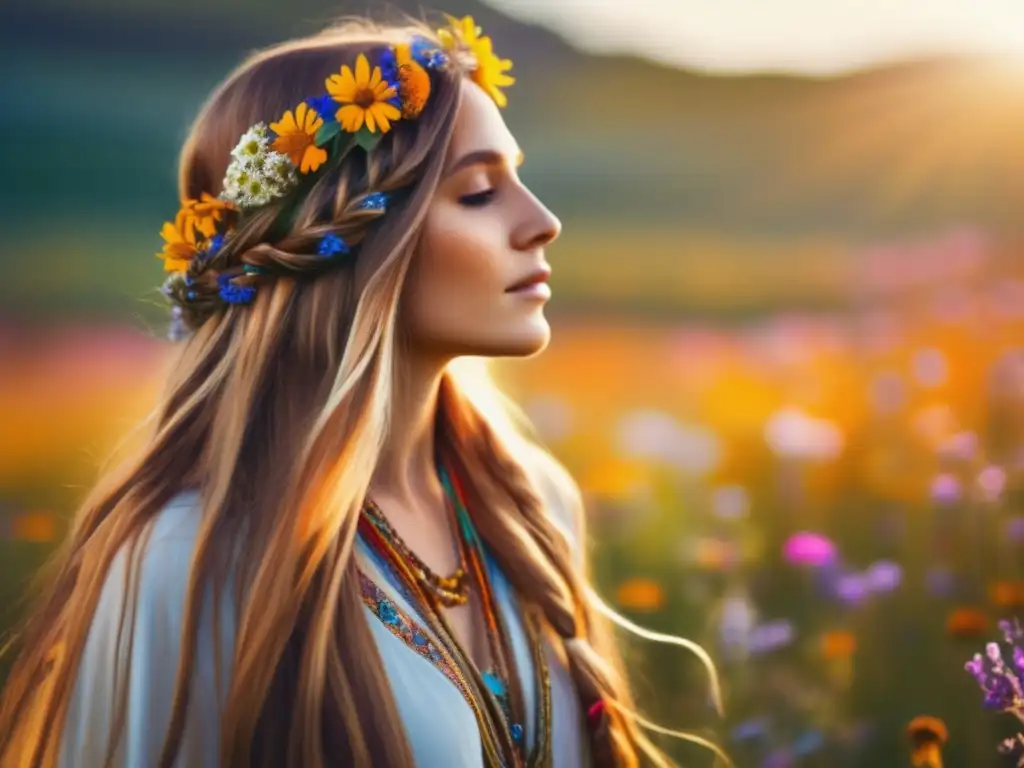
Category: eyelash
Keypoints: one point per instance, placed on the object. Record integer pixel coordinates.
(478, 199)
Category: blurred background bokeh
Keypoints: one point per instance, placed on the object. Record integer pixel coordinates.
(788, 360)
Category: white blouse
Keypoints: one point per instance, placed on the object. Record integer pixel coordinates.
(438, 721)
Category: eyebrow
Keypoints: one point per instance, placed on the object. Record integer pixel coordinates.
(483, 157)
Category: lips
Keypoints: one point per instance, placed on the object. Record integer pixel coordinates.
(537, 276)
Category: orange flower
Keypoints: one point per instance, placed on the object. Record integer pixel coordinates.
(927, 734)
(179, 241)
(413, 82)
(838, 645)
(296, 134)
(967, 622)
(206, 212)
(641, 595)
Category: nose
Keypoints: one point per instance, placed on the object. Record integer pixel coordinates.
(538, 227)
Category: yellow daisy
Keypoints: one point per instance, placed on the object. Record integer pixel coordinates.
(179, 241)
(296, 134)
(365, 97)
(491, 72)
(205, 213)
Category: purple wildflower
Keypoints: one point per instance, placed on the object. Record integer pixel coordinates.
(946, 489)
(1012, 632)
(1013, 748)
(1002, 684)
(809, 549)
(1015, 529)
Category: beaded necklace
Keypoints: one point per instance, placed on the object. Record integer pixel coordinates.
(449, 590)
(495, 696)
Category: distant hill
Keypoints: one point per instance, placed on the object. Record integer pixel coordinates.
(100, 94)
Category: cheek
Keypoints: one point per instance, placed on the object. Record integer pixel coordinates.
(457, 276)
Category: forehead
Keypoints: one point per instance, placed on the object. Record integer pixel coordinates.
(479, 126)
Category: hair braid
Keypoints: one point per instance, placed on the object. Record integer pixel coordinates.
(337, 204)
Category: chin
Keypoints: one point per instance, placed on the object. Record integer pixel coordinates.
(529, 340)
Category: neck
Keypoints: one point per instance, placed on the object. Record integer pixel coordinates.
(407, 472)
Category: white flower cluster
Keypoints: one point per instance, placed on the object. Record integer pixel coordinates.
(257, 174)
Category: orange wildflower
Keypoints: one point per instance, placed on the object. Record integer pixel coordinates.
(296, 135)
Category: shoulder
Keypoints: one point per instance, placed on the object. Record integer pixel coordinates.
(136, 637)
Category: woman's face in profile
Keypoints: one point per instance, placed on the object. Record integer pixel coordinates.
(478, 283)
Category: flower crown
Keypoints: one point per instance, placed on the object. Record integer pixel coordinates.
(270, 161)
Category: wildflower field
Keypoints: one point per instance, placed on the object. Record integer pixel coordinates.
(830, 504)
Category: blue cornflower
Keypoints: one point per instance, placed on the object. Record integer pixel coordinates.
(235, 294)
(215, 244)
(375, 201)
(332, 244)
(324, 106)
(389, 66)
(427, 54)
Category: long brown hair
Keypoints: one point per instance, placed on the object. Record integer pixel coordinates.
(277, 413)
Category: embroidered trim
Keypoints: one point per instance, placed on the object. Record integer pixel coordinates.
(409, 631)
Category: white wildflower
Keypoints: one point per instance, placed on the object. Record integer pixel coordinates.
(257, 175)
(254, 143)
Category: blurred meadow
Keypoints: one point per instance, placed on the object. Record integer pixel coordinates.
(787, 366)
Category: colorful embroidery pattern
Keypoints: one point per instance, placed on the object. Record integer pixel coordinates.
(408, 631)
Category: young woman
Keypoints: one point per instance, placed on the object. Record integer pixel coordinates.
(338, 546)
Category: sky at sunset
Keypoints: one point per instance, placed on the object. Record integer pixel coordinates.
(805, 36)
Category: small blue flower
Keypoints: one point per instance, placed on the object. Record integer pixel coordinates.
(215, 244)
(427, 54)
(419, 639)
(375, 201)
(191, 295)
(517, 733)
(389, 67)
(234, 294)
(332, 244)
(324, 106)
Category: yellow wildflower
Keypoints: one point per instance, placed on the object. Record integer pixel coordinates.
(365, 96)
(179, 242)
(205, 213)
(296, 134)
(491, 72)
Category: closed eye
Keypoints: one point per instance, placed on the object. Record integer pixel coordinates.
(477, 199)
